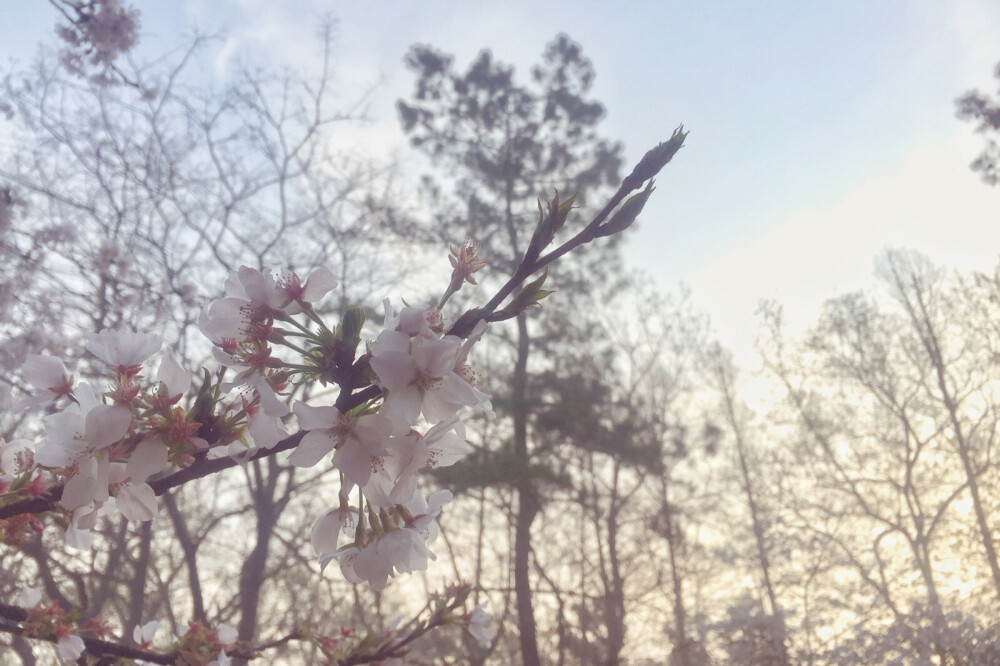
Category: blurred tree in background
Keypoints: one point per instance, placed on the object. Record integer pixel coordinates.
(640, 499)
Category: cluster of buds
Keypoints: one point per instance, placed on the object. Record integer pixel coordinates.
(390, 647)
(337, 647)
(199, 645)
(52, 622)
(19, 480)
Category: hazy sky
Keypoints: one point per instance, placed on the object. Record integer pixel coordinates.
(821, 132)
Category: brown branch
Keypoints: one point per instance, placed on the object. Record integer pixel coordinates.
(95, 646)
(531, 262)
(648, 167)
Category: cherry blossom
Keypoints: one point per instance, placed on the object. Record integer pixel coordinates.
(257, 287)
(148, 458)
(134, 498)
(174, 378)
(77, 439)
(420, 321)
(69, 647)
(425, 512)
(479, 625)
(227, 635)
(359, 442)
(296, 293)
(395, 481)
(262, 389)
(16, 457)
(265, 427)
(122, 349)
(28, 598)
(360, 565)
(49, 375)
(253, 297)
(419, 376)
(399, 549)
(143, 635)
(326, 531)
(465, 261)
(82, 521)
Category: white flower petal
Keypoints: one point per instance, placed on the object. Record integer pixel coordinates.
(28, 597)
(144, 634)
(325, 533)
(81, 488)
(266, 430)
(70, 647)
(107, 424)
(227, 635)
(394, 369)
(44, 372)
(318, 284)
(126, 348)
(136, 501)
(391, 341)
(174, 377)
(149, 458)
(436, 501)
(354, 462)
(316, 418)
(312, 448)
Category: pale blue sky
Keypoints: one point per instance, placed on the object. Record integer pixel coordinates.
(820, 131)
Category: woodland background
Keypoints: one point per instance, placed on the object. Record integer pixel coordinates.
(640, 499)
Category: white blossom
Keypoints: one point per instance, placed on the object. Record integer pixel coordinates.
(28, 598)
(479, 625)
(122, 349)
(50, 376)
(175, 379)
(326, 531)
(143, 635)
(77, 440)
(359, 442)
(134, 498)
(227, 635)
(70, 647)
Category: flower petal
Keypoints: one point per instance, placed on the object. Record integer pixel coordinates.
(136, 501)
(316, 418)
(319, 282)
(106, 424)
(148, 458)
(174, 377)
(312, 448)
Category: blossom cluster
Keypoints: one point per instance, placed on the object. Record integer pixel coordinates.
(194, 645)
(378, 446)
(103, 446)
(396, 411)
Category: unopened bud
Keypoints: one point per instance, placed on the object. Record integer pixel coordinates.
(655, 159)
(550, 221)
(625, 216)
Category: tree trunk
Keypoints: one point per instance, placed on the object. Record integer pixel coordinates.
(267, 509)
(615, 596)
(527, 502)
(681, 645)
(190, 550)
(779, 648)
(137, 601)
